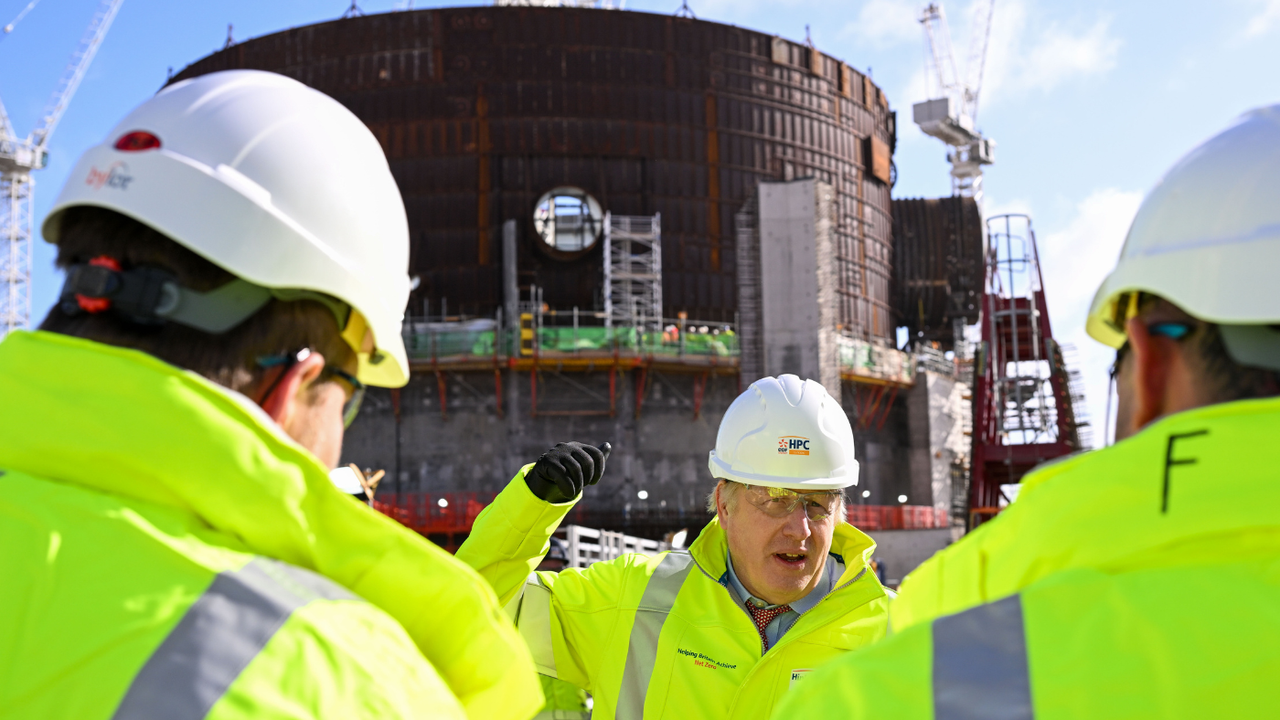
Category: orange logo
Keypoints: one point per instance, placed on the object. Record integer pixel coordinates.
(793, 445)
(115, 176)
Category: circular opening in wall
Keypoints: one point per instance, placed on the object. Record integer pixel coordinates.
(568, 220)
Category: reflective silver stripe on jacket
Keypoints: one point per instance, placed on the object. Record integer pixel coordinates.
(532, 616)
(562, 715)
(980, 664)
(218, 636)
(642, 652)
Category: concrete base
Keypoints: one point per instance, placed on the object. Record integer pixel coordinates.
(901, 551)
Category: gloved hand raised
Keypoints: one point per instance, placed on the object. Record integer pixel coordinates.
(565, 469)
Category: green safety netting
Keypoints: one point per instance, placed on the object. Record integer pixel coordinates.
(860, 357)
(480, 343)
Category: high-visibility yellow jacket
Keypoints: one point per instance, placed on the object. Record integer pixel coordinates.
(167, 552)
(1142, 580)
(660, 636)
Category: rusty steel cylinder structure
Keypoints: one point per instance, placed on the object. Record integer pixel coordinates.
(482, 110)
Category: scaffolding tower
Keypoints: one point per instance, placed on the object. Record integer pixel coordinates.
(1023, 405)
(633, 270)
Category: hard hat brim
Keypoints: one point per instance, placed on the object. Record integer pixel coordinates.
(1221, 282)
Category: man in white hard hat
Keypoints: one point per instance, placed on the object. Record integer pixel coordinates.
(236, 254)
(775, 585)
(1141, 580)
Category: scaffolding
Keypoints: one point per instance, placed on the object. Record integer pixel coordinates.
(587, 546)
(750, 310)
(15, 250)
(633, 271)
(1023, 409)
(1075, 386)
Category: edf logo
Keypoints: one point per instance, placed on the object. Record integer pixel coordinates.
(793, 445)
(116, 176)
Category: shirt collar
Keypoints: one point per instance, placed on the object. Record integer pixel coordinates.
(831, 571)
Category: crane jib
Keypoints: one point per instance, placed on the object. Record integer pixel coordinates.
(20, 156)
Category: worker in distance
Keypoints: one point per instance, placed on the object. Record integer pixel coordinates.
(775, 585)
(1141, 580)
(172, 545)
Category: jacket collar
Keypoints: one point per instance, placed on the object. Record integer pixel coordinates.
(123, 422)
(1207, 472)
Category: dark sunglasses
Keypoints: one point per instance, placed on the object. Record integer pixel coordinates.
(354, 388)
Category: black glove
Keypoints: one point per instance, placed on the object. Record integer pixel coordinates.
(565, 469)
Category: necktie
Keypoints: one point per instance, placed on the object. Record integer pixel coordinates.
(764, 616)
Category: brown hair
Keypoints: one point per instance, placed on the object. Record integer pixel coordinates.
(1226, 380)
(228, 359)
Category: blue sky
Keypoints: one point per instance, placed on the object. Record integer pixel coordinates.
(1090, 102)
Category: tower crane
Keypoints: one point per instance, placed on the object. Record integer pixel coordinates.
(1024, 406)
(951, 114)
(19, 157)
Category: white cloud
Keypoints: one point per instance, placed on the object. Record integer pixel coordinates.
(911, 92)
(992, 206)
(1059, 56)
(1267, 18)
(1027, 54)
(1074, 261)
(1026, 51)
(882, 23)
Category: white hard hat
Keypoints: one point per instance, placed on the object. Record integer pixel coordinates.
(785, 432)
(274, 182)
(1207, 239)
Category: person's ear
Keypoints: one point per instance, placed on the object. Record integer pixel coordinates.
(1151, 362)
(722, 510)
(283, 402)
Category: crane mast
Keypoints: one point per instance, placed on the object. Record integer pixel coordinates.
(19, 157)
(950, 115)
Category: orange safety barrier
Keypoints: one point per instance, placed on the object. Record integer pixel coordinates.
(428, 513)
(896, 517)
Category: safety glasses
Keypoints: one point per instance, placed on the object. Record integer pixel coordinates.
(781, 502)
(353, 388)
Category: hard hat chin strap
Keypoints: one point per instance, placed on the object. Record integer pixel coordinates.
(152, 296)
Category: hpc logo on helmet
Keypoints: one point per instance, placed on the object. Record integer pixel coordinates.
(793, 445)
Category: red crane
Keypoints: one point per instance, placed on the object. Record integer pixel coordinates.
(1022, 400)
